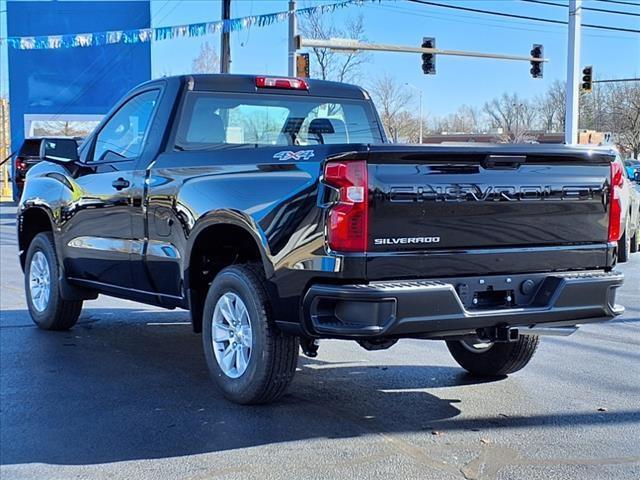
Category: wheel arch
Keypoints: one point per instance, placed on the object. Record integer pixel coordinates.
(32, 221)
(217, 241)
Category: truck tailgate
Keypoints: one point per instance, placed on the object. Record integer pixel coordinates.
(456, 200)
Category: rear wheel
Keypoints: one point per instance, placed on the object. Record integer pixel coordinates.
(624, 246)
(635, 241)
(48, 309)
(249, 359)
(493, 359)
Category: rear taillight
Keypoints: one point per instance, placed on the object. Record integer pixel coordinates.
(347, 224)
(615, 205)
(286, 83)
(20, 164)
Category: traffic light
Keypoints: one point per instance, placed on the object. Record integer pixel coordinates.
(302, 65)
(587, 79)
(428, 59)
(536, 67)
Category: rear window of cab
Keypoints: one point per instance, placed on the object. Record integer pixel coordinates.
(211, 119)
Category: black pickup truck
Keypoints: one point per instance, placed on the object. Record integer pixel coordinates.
(277, 213)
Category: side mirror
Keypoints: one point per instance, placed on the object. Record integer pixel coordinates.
(59, 150)
(636, 176)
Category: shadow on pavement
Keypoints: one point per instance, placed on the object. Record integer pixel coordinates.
(115, 388)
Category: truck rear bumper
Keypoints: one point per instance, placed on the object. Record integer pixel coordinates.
(449, 307)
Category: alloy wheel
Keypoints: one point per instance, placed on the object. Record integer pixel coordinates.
(231, 335)
(39, 281)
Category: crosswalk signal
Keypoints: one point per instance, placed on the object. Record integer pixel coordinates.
(587, 79)
(536, 67)
(428, 59)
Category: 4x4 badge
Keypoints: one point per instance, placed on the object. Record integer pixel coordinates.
(289, 155)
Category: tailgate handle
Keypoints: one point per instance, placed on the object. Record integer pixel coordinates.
(503, 162)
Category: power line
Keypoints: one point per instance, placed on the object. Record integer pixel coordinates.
(593, 9)
(615, 80)
(494, 22)
(619, 2)
(617, 12)
(524, 17)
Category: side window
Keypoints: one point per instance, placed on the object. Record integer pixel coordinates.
(123, 134)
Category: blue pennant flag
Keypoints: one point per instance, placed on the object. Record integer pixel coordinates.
(144, 35)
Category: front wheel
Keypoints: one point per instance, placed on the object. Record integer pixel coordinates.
(248, 358)
(493, 359)
(48, 309)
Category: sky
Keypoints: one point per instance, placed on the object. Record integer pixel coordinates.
(458, 80)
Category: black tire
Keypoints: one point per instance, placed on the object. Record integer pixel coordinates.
(58, 314)
(498, 360)
(635, 241)
(274, 355)
(624, 247)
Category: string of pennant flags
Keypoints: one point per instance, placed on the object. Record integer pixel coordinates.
(144, 35)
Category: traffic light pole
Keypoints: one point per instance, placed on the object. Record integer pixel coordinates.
(351, 45)
(573, 73)
(225, 40)
(293, 27)
(617, 80)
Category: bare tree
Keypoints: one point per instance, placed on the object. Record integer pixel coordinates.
(392, 100)
(407, 127)
(512, 114)
(467, 119)
(64, 128)
(328, 64)
(551, 107)
(207, 60)
(594, 108)
(624, 115)
(470, 119)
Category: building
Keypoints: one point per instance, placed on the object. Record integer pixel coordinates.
(72, 86)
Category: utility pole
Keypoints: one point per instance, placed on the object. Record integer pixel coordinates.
(225, 45)
(293, 31)
(573, 72)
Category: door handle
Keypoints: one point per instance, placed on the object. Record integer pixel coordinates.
(120, 183)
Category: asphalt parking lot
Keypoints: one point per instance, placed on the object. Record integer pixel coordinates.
(126, 394)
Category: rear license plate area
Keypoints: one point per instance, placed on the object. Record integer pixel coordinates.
(485, 297)
(492, 299)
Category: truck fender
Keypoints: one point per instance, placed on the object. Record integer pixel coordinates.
(237, 219)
